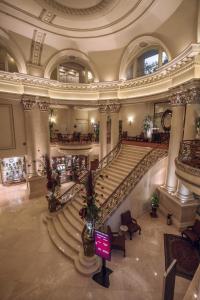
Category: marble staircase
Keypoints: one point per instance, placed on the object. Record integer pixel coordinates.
(65, 226)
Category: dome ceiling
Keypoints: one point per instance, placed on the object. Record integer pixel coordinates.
(117, 20)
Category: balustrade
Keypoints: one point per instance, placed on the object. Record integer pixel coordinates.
(190, 153)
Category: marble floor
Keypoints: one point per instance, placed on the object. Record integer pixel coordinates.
(31, 268)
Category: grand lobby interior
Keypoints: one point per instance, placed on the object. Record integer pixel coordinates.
(99, 100)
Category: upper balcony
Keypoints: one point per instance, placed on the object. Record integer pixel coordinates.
(188, 165)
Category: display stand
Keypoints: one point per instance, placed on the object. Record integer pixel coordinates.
(13, 170)
(103, 249)
(102, 277)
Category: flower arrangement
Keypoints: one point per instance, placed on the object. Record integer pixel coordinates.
(147, 123)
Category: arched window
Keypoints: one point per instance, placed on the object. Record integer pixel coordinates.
(146, 62)
(72, 72)
(7, 62)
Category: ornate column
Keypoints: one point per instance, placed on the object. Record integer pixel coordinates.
(192, 111)
(43, 104)
(28, 103)
(176, 135)
(103, 130)
(71, 120)
(34, 135)
(114, 113)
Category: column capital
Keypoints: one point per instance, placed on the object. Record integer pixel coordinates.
(28, 102)
(103, 108)
(193, 95)
(43, 105)
(179, 98)
(110, 106)
(114, 107)
(187, 93)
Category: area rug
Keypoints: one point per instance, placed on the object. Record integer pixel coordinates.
(184, 252)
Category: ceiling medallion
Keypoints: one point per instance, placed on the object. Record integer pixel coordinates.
(66, 7)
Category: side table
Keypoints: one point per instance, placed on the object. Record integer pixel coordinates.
(123, 230)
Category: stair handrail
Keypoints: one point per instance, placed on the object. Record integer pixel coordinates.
(129, 182)
(108, 158)
(189, 152)
(75, 188)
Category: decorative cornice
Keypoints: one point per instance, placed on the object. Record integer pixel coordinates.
(163, 75)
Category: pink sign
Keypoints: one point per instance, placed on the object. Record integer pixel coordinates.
(102, 245)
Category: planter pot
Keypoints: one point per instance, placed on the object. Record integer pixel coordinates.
(149, 135)
(154, 212)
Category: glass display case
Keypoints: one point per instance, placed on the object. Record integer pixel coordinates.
(13, 170)
(69, 166)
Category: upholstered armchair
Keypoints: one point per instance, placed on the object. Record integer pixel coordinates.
(130, 222)
(192, 232)
(117, 240)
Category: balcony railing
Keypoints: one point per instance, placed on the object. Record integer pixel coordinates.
(189, 153)
(75, 138)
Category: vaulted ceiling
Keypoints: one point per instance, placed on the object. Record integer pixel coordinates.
(97, 24)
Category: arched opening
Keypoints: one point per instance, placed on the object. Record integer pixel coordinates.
(7, 62)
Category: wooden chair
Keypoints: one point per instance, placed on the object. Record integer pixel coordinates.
(130, 222)
(192, 232)
(117, 240)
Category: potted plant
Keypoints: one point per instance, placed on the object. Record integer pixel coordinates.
(154, 205)
(90, 213)
(147, 127)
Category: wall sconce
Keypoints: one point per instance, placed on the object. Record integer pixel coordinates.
(130, 120)
(92, 121)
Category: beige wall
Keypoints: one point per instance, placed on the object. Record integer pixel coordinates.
(181, 28)
(15, 133)
(138, 112)
(64, 119)
(138, 202)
